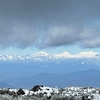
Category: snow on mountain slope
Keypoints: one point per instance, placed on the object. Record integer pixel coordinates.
(89, 54)
(42, 56)
(38, 56)
(63, 55)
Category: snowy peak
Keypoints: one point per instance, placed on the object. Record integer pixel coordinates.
(87, 54)
(64, 54)
(40, 54)
(43, 56)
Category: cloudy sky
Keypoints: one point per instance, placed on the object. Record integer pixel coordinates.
(54, 26)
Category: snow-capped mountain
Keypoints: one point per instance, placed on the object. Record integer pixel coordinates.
(38, 56)
(45, 57)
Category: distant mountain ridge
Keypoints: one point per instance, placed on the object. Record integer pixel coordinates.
(80, 78)
(45, 57)
(4, 85)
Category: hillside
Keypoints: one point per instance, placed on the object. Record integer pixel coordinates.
(40, 92)
(79, 78)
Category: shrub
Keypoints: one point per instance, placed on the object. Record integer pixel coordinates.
(36, 88)
(20, 92)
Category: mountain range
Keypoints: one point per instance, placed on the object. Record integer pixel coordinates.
(40, 62)
(51, 69)
(45, 57)
(4, 85)
(80, 78)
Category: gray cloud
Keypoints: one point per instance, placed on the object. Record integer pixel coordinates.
(49, 23)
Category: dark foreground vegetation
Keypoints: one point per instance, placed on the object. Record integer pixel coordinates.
(40, 92)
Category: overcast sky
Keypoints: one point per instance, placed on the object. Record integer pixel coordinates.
(49, 24)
